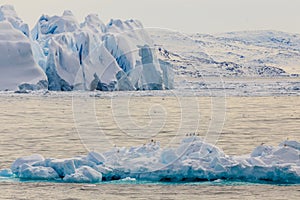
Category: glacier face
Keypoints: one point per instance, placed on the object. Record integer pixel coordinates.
(192, 160)
(121, 55)
(91, 56)
(74, 56)
(133, 49)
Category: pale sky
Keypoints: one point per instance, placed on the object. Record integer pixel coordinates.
(203, 16)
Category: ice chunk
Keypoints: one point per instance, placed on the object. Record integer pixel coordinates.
(6, 173)
(96, 158)
(25, 160)
(61, 166)
(84, 174)
(37, 173)
(41, 85)
(129, 179)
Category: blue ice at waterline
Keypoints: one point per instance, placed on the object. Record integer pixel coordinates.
(192, 161)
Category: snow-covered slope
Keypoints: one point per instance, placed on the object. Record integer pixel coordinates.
(250, 53)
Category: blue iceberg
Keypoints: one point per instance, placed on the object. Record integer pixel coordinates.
(192, 160)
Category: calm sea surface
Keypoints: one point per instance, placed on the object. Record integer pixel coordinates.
(63, 126)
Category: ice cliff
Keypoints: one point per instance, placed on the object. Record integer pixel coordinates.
(74, 56)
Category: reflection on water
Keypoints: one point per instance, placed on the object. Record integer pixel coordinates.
(45, 125)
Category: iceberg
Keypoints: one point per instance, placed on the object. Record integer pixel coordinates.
(37, 173)
(62, 54)
(75, 57)
(192, 160)
(92, 56)
(15, 167)
(7, 173)
(84, 174)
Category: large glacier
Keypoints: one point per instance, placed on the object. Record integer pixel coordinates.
(121, 55)
(192, 160)
(92, 55)
(80, 56)
(75, 60)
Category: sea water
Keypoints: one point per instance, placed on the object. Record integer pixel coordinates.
(60, 125)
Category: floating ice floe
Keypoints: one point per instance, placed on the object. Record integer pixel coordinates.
(192, 160)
